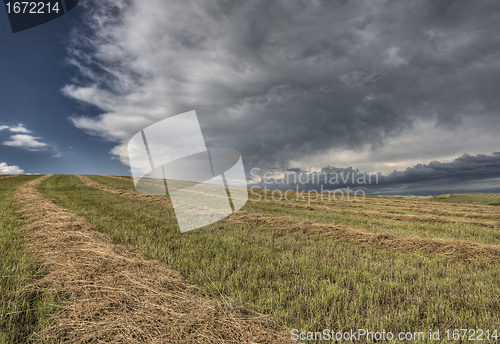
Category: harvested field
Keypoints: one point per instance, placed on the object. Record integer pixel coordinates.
(390, 202)
(449, 248)
(457, 249)
(416, 207)
(109, 293)
(402, 217)
(309, 282)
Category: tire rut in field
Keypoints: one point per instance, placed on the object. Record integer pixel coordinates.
(111, 294)
(451, 248)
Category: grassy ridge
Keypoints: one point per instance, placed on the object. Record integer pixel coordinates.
(490, 236)
(21, 312)
(309, 282)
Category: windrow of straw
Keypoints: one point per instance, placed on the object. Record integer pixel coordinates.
(457, 249)
(109, 294)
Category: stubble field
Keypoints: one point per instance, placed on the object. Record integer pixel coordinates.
(88, 259)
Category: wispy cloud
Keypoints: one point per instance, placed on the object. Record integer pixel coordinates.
(22, 138)
(15, 129)
(6, 169)
(25, 141)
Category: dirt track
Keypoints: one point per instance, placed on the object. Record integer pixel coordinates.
(110, 294)
(458, 249)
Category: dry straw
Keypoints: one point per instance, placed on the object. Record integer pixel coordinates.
(110, 294)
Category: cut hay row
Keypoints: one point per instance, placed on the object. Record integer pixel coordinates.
(398, 217)
(457, 249)
(117, 177)
(139, 196)
(150, 199)
(110, 294)
(6, 177)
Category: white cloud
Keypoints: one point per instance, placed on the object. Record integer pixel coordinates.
(22, 140)
(6, 169)
(19, 129)
(15, 129)
(25, 141)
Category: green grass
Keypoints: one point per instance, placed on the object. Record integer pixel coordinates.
(308, 282)
(470, 198)
(21, 312)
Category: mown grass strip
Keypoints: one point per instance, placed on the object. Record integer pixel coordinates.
(22, 312)
(399, 225)
(308, 281)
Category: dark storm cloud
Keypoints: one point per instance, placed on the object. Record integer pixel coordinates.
(468, 173)
(282, 80)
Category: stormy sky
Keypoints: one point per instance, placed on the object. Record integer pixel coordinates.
(467, 173)
(376, 85)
